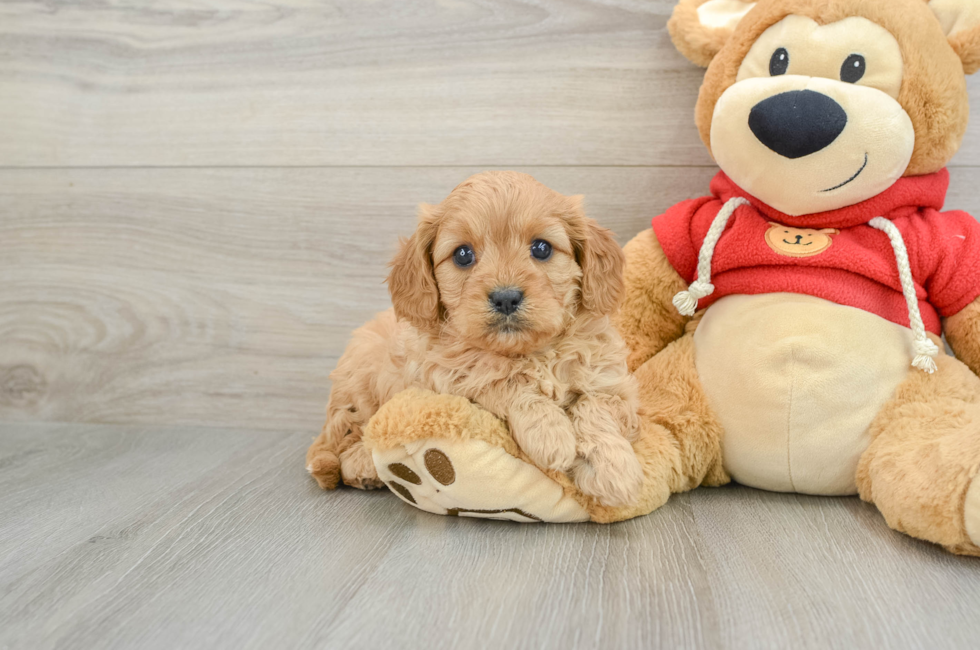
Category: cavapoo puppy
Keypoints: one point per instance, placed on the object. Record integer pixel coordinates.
(503, 296)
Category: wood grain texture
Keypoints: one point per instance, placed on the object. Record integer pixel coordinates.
(224, 297)
(227, 181)
(302, 82)
(117, 537)
(220, 297)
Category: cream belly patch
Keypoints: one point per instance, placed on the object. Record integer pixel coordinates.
(796, 382)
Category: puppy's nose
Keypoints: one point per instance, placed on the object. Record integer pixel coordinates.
(506, 301)
(797, 123)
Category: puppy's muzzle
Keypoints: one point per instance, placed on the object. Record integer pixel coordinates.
(506, 300)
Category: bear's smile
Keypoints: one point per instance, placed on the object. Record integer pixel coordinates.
(858, 173)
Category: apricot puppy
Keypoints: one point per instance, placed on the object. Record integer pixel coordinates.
(502, 295)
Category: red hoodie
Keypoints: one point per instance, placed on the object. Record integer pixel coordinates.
(856, 268)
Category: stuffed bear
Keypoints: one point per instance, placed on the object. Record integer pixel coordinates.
(785, 329)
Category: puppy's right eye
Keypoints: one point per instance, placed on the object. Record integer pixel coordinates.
(779, 62)
(464, 256)
(541, 250)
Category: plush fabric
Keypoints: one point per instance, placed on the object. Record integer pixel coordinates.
(959, 20)
(858, 269)
(789, 377)
(933, 86)
(924, 454)
(963, 334)
(845, 141)
(698, 43)
(646, 318)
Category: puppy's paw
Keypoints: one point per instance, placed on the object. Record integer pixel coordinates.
(547, 436)
(324, 466)
(609, 413)
(357, 468)
(611, 473)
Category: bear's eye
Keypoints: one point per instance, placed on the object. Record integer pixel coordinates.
(853, 69)
(541, 250)
(464, 256)
(779, 62)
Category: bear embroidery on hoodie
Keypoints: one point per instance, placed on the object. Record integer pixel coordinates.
(799, 242)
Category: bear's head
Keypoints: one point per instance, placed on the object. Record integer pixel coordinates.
(815, 105)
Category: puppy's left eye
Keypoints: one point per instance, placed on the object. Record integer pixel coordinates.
(541, 250)
(464, 256)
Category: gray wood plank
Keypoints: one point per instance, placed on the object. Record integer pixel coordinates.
(122, 537)
(302, 82)
(220, 297)
(224, 297)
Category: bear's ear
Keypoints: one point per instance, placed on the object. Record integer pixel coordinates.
(960, 20)
(700, 28)
(829, 231)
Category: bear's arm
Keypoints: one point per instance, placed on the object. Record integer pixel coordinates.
(963, 334)
(647, 319)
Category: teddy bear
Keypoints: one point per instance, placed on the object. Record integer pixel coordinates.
(785, 328)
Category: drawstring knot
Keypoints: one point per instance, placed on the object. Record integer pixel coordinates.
(925, 355)
(686, 302)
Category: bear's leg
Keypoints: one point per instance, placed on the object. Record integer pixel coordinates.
(679, 446)
(920, 467)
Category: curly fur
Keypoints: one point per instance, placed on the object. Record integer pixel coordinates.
(555, 370)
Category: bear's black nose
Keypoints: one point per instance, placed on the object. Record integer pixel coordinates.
(506, 301)
(797, 123)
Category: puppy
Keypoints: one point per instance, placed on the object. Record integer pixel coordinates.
(503, 296)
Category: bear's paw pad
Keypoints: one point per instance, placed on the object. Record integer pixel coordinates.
(471, 478)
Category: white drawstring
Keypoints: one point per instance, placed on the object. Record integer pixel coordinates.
(686, 302)
(925, 350)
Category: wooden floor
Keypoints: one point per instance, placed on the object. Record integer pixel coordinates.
(137, 537)
(197, 203)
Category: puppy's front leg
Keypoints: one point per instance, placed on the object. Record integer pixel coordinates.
(608, 469)
(544, 432)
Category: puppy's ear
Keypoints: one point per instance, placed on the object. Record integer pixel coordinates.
(411, 282)
(960, 20)
(700, 28)
(600, 258)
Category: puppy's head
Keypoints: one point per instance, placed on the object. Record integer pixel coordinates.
(505, 264)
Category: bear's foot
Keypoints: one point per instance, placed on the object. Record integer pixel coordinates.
(971, 511)
(489, 483)
(443, 454)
